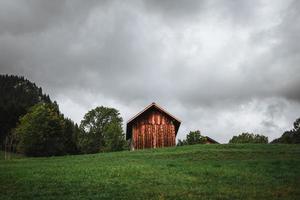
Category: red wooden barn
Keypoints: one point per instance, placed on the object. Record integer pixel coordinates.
(153, 127)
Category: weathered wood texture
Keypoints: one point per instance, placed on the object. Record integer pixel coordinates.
(153, 130)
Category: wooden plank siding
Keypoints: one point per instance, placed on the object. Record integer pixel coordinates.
(153, 130)
(153, 127)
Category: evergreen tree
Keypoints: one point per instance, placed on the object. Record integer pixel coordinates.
(70, 136)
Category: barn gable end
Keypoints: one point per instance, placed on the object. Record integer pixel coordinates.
(153, 127)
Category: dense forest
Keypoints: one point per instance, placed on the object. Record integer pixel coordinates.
(17, 96)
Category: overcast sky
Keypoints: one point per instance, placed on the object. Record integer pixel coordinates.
(223, 67)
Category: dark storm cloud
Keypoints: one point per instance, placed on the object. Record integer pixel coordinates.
(288, 51)
(29, 16)
(240, 12)
(277, 72)
(176, 9)
(22, 17)
(208, 62)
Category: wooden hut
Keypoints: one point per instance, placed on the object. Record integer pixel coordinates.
(153, 127)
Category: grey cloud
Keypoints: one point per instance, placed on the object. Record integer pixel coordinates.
(176, 8)
(23, 17)
(240, 13)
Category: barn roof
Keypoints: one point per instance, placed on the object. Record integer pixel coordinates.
(153, 105)
(211, 140)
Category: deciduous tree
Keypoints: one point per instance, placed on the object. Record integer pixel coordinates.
(40, 132)
(194, 137)
(101, 130)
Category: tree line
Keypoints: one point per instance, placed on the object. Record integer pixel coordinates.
(44, 131)
(288, 137)
(32, 124)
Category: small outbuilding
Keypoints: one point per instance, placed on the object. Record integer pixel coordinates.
(153, 127)
(210, 141)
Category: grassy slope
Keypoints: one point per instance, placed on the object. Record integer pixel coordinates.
(190, 172)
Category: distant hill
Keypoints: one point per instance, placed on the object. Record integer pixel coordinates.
(17, 94)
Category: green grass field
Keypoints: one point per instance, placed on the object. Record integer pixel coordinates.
(189, 172)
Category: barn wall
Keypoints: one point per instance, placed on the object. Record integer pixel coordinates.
(153, 130)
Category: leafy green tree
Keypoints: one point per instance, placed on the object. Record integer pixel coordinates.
(40, 132)
(101, 130)
(194, 137)
(249, 138)
(291, 136)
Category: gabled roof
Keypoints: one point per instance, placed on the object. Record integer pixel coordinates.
(153, 105)
(211, 140)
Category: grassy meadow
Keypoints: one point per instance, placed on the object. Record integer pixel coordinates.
(244, 171)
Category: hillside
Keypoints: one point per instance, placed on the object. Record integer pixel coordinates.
(188, 172)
